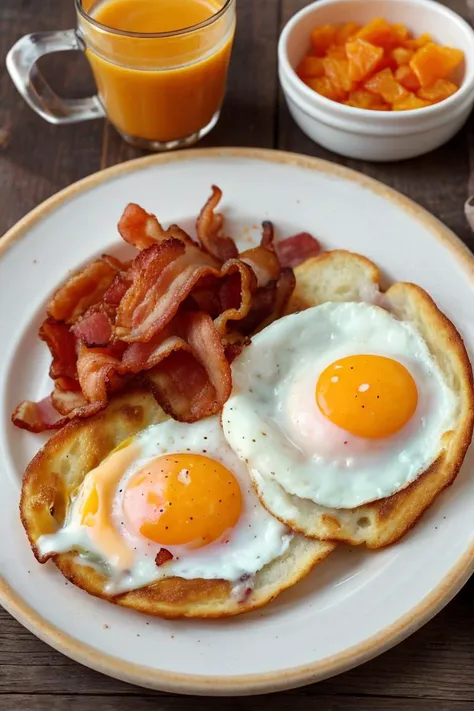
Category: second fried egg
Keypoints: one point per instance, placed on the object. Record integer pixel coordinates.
(341, 404)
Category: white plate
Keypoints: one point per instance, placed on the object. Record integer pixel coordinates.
(356, 604)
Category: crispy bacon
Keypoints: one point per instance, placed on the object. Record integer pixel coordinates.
(167, 279)
(284, 289)
(98, 372)
(94, 330)
(115, 263)
(163, 556)
(62, 346)
(209, 227)
(142, 230)
(42, 416)
(172, 318)
(264, 264)
(268, 234)
(297, 249)
(65, 401)
(81, 291)
(117, 289)
(194, 379)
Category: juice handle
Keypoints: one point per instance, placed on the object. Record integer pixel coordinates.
(33, 87)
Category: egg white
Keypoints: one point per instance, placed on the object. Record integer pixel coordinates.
(272, 420)
(256, 540)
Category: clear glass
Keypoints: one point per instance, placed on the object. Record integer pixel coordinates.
(161, 91)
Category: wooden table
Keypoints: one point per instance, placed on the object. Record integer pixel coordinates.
(434, 669)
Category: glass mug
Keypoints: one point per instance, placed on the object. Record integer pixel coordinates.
(160, 90)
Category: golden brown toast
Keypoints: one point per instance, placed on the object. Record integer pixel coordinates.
(59, 468)
(344, 276)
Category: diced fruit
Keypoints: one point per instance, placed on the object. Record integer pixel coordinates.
(310, 67)
(346, 31)
(379, 32)
(385, 84)
(325, 87)
(432, 62)
(400, 33)
(407, 78)
(362, 99)
(380, 66)
(337, 51)
(402, 55)
(440, 90)
(363, 58)
(409, 103)
(418, 42)
(322, 38)
(337, 70)
(387, 61)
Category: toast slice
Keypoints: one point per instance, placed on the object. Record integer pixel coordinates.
(60, 467)
(344, 276)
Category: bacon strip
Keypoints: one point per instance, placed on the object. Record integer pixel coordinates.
(166, 280)
(117, 289)
(98, 371)
(94, 330)
(81, 291)
(66, 401)
(173, 318)
(41, 416)
(194, 379)
(297, 249)
(142, 229)
(62, 346)
(209, 227)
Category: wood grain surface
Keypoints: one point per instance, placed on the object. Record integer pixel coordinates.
(431, 671)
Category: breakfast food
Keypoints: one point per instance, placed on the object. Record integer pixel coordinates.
(173, 318)
(158, 516)
(379, 66)
(364, 411)
(225, 421)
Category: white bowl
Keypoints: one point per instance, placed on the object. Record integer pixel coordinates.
(376, 135)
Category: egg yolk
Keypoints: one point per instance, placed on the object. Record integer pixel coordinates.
(182, 499)
(367, 395)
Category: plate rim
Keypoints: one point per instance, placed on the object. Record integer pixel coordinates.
(294, 676)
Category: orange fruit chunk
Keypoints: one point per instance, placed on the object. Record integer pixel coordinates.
(433, 62)
(402, 55)
(362, 99)
(400, 33)
(363, 58)
(417, 42)
(407, 78)
(346, 31)
(310, 67)
(337, 70)
(409, 103)
(322, 38)
(387, 61)
(379, 66)
(337, 51)
(440, 90)
(325, 87)
(379, 33)
(385, 84)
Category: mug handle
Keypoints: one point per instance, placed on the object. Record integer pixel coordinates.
(21, 65)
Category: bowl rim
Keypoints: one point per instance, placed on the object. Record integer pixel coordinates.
(352, 113)
(385, 129)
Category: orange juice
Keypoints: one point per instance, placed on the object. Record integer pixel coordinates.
(164, 87)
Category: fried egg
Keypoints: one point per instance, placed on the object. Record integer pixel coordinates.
(173, 501)
(341, 404)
